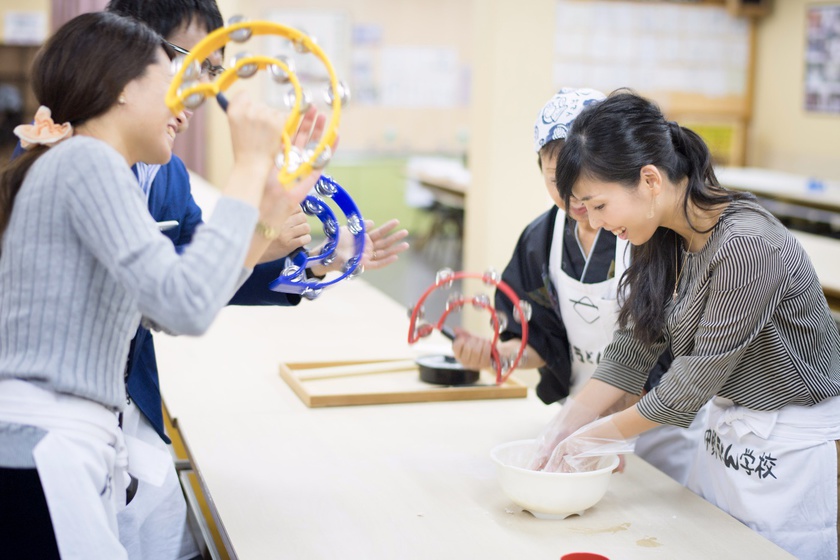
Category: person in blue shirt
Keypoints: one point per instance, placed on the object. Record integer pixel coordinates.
(154, 523)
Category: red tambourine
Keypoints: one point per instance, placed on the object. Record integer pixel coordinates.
(504, 365)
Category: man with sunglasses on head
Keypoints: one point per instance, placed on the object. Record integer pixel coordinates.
(154, 523)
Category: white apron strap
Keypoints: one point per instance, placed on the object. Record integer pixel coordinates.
(589, 311)
(146, 462)
(78, 485)
(622, 257)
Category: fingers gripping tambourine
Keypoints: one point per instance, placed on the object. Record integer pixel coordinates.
(189, 90)
(503, 365)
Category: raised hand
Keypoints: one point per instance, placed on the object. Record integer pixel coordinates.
(385, 246)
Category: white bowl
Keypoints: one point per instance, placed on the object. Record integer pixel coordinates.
(549, 495)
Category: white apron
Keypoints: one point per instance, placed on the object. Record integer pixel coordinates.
(774, 471)
(589, 311)
(81, 462)
(154, 523)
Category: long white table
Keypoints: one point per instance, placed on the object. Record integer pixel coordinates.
(780, 185)
(391, 481)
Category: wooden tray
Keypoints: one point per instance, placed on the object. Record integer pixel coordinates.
(346, 383)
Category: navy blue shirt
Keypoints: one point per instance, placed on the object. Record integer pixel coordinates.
(170, 199)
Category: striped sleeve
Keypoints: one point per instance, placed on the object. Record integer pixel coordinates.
(627, 362)
(746, 284)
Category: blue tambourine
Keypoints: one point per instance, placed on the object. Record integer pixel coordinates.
(293, 279)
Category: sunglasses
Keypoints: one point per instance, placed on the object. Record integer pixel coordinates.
(207, 67)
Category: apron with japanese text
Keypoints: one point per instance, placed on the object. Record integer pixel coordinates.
(774, 471)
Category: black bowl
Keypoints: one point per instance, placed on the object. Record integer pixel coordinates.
(445, 370)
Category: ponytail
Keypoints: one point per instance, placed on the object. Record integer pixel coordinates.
(611, 141)
(11, 179)
(703, 188)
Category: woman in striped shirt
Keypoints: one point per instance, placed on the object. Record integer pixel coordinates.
(721, 282)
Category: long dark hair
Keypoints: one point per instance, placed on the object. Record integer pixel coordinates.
(79, 74)
(611, 141)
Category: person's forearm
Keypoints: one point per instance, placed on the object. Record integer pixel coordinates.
(625, 425)
(246, 182)
(259, 243)
(599, 396)
(531, 359)
(631, 423)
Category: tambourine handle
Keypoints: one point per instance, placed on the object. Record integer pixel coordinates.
(222, 101)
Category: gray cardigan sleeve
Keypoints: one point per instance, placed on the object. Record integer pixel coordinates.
(181, 293)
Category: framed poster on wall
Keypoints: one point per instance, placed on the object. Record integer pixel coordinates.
(822, 59)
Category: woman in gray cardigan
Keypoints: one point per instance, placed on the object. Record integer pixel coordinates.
(82, 261)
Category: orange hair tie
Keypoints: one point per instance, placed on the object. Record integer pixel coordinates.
(43, 131)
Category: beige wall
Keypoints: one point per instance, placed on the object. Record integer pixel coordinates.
(18, 6)
(511, 80)
(783, 135)
(444, 23)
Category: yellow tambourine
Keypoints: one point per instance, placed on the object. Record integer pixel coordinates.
(189, 91)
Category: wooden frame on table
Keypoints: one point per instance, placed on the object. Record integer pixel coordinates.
(383, 382)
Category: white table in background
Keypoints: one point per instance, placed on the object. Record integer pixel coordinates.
(779, 185)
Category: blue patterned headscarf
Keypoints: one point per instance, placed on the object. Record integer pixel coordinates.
(556, 117)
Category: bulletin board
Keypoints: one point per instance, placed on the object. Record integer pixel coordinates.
(822, 64)
(330, 30)
(694, 60)
(409, 88)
